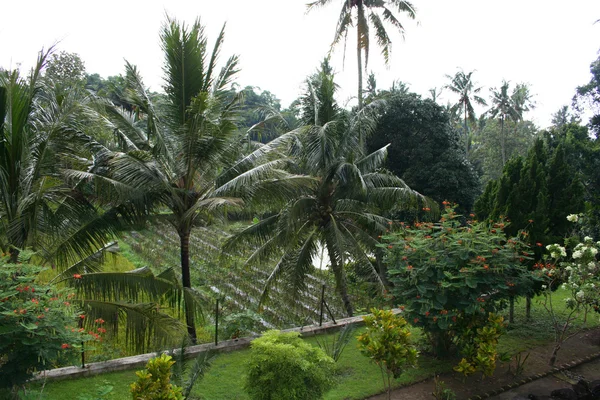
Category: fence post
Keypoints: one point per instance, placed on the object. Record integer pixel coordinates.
(217, 323)
(322, 303)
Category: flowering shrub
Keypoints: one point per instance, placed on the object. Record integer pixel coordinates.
(449, 277)
(38, 325)
(579, 273)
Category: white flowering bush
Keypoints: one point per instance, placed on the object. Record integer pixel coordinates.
(579, 273)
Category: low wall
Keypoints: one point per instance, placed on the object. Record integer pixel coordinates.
(140, 360)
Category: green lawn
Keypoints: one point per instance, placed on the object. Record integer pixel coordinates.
(357, 377)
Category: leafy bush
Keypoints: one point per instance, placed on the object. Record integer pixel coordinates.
(479, 346)
(387, 343)
(37, 325)
(284, 367)
(449, 277)
(154, 383)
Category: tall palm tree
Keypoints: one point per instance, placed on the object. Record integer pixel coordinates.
(183, 156)
(338, 213)
(367, 14)
(463, 85)
(42, 132)
(503, 107)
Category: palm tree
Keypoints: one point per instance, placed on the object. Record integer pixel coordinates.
(42, 131)
(463, 85)
(183, 156)
(367, 14)
(504, 107)
(339, 212)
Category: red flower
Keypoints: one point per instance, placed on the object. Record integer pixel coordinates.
(65, 346)
(427, 314)
(76, 276)
(82, 316)
(409, 267)
(416, 320)
(539, 244)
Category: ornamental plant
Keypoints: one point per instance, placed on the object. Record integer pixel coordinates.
(284, 367)
(154, 383)
(450, 275)
(576, 265)
(479, 347)
(388, 344)
(38, 326)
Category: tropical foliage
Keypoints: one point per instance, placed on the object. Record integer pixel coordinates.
(339, 212)
(183, 156)
(463, 85)
(424, 150)
(449, 277)
(38, 326)
(366, 15)
(283, 366)
(388, 344)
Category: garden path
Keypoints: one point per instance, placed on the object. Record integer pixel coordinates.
(579, 346)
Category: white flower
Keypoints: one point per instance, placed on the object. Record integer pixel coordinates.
(591, 264)
(580, 295)
(569, 268)
(563, 286)
(594, 251)
(572, 217)
(544, 287)
(587, 239)
(577, 254)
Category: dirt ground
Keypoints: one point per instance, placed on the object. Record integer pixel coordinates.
(577, 347)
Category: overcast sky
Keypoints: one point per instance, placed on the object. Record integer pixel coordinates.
(546, 43)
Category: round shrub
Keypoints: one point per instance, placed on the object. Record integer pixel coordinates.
(284, 367)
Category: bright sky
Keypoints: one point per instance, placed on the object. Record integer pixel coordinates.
(546, 43)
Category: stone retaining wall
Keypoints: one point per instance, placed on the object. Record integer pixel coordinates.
(140, 361)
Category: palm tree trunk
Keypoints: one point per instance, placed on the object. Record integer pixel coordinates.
(340, 280)
(184, 237)
(359, 58)
(466, 134)
(502, 141)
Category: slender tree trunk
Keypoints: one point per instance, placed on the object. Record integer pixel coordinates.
(511, 310)
(502, 141)
(528, 308)
(340, 281)
(359, 58)
(466, 134)
(381, 268)
(184, 237)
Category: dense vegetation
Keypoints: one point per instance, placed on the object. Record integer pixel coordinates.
(205, 193)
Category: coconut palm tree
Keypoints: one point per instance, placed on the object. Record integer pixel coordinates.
(184, 156)
(42, 133)
(340, 213)
(463, 85)
(366, 15)
(503, 107)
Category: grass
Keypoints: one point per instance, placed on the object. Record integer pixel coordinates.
(357, 378)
